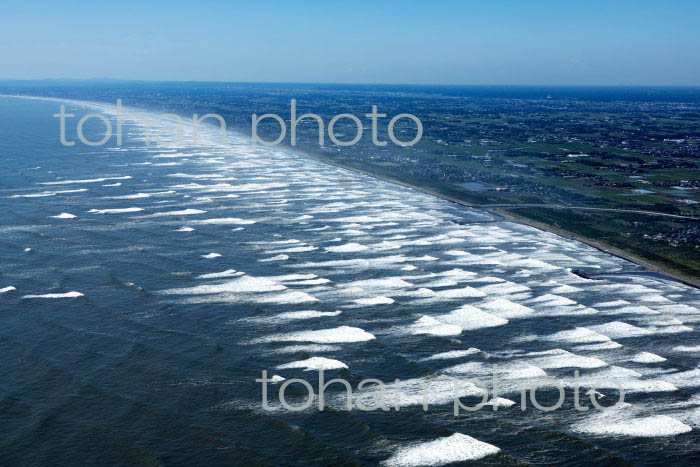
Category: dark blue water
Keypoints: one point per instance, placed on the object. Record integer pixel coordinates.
(128, 340)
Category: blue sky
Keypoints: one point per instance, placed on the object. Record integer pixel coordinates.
(427, 42)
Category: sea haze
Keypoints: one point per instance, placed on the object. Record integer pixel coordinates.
(145, 288)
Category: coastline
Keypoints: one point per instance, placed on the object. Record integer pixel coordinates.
(509, 216)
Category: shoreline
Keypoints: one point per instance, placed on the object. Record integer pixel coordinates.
(509, 216)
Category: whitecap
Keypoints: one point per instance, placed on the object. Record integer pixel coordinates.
(433, 327)
(506, 309)
(618, 329)
(134, 196)
(115, 211)
(687, 348)
(578, 335)
(470, 318)
(618, 422)
(243, 284)
(342, 334)
(93, 180)
(211, 255)
(374, 301)
(314, 363)
(448, 450)
(347, 248)
(647, 357)
(306, 314)
(287, 298)
(217, 275)
(183, 212)
(225, 221)
(451, 354)
(309, 348)
(72, 294)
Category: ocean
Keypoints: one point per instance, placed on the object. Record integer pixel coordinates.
(145, 288)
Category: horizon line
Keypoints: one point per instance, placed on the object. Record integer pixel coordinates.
(335, 83)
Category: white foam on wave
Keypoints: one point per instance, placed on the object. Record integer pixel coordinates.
(196, 176)
(578, 335)
(93, 180)
(35, 195)
(275, 258)
(292, 277)
(433, 327)
(374, 301)
(72, 294)
(551, 300)
(211, 255)
(448, 450)
(347, 248)
(612, 304)
(218, 275)
(458, 274)
(431, 390)
(185, 229)
(632, 310)
(619, 329)
(134, 196)
(45, 194)
(451, 354)
(469, 318)
(183, 212)
(565, 288)
(622, 421)
(225, 221)
(442, 282)
(506, 309)
(243, 284)
(306, 314)
(503, 288)
(679, 309)
(314, 363)
(647, 357)
(686, 348)
(559, 358)
(506, 372)
(295, 249)
(341, 334)
(7, 289)
(385, 262)
(115, 211)
(318, 281)
(287, 298)
(309, 348)
(464, 292)
(387, 283)
(609, 345)
(64, 215)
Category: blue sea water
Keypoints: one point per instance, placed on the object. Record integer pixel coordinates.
(145, 288)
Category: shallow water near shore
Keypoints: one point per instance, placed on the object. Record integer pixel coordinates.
(145, 288)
